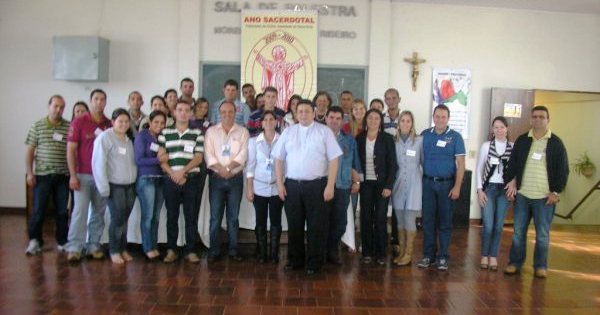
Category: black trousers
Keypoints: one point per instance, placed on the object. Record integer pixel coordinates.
(373, 220)
(305, 203)
(267, 208)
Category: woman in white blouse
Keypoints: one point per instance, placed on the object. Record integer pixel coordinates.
(493, 158)
(261, 188)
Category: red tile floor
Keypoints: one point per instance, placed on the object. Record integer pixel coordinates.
(47, 284)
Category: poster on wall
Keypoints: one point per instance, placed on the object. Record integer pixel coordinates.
(452, 87)
(279, 49)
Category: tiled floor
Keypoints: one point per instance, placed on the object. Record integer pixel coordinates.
(47, 284)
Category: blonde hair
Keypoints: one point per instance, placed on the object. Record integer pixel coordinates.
(412, 133)
(355, 125)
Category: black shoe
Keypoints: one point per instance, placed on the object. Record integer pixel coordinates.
(311, 271)
(334, 259)
(275, 238)
(236, 257)
(261, 244)
(212, 259)
(290, 267)
(380, 261)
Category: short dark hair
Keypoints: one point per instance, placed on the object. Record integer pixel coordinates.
(186, 79)
(170, 91)
(270, 89)
(231, 82)
(118, 112)
(346, 92)
(376, 100)
(179, 101)
(306, 102)
(78, 103)
(227, 102)
(442, 107)
(541, 108)
(335, 109)
(201, 100)
(247, 85)
(58, 96)
(97, 91)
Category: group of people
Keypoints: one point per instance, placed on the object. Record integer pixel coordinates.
(314, 159)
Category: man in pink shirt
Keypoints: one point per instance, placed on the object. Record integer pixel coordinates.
(80, 143)
(226, 148)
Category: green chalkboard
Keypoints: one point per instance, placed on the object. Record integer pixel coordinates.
(333, 79)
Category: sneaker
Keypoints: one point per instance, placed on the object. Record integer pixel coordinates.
(33, 248)
(192, 258)
(366, 260)
(511, 270)
(442, 264)
(424, 263)
(98, 254)
(171, 256)
(541, 273)
(73, 256)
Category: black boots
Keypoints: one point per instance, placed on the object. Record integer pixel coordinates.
(261, 244)
(275, 237)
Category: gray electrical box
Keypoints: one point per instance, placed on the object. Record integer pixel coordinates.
(81, 58)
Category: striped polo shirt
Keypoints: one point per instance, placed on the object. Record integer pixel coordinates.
(50, 142)
(181, 146)
(534, 184)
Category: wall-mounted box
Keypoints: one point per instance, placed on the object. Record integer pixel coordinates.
(81, 58)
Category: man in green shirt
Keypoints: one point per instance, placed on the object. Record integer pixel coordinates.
(47, 150)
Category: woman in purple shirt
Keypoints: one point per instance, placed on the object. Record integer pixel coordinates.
(149, 183)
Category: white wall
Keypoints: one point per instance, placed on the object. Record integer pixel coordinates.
(501, 47)
(144, 55)
(155, 43)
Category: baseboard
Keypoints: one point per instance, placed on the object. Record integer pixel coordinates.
(13, 211)
(474, 221)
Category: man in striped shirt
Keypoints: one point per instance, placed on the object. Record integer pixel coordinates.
(181, 153)
(47, 147)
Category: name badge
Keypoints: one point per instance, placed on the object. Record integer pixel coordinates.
(536, 156)
(188, 148)
(441, 143)
(154, 147)
(97, 131)
(226, 150)
(122, 150)
(494, 160)
(411, 153)
(269, 164)
(57, 136)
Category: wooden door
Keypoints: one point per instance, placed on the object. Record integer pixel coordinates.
(503, 103)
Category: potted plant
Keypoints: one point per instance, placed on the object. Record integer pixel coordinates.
(584, 166)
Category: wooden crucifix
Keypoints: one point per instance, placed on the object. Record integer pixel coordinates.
(414, 61)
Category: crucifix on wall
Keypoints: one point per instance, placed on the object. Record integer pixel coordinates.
(415, 61)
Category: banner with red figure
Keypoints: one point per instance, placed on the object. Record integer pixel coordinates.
(452, 87)
(279, 49)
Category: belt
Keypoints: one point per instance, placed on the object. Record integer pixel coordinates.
(438, 179)
(302, 181)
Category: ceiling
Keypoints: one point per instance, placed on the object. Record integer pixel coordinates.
(570, 6)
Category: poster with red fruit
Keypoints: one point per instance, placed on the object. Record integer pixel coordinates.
(452, 87)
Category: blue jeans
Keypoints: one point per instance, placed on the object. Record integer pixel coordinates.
(542, 214)
(176, 195)
(437, 218)
(80, 226)
(120, 204)
(150, 193)
(224, 194)
(338, 219)
(493, 219)
(57, 186)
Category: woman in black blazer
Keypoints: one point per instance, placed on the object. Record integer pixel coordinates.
(378, 159)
